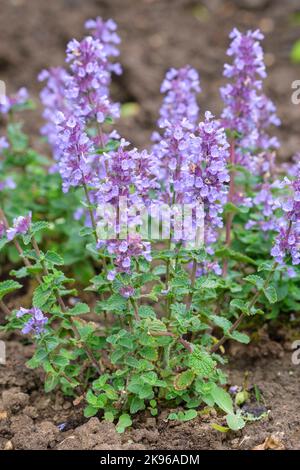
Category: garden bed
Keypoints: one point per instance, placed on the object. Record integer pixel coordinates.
(29, 419)
(162, 37)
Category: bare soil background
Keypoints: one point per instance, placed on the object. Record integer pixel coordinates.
(156, 35)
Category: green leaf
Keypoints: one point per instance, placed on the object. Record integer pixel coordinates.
(255, 281)
(8, 286)
(183, 381)
(271, 294)
(222, 322)
(39, 226)
(79, 309)
(235, 422)
(189, 415)
(136, 405)
(115, 302)
(90, 411)
(219, 428)
(239, 304)
(123, 423)
(240, 337)
(52, 380)
(236, 256)
(40, 296)
(109, 416)
(222, 399)
(53, 258)
(145, 311)
(100, 382)
(201, 363)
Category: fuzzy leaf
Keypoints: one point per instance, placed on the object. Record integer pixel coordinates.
(8, 286)
(271, 294)
(183, 381)
(235, 422)
(222, 399)
(123, 423)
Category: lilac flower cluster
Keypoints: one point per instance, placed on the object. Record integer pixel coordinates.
(178, 116)
(287, 242)
(88, 85)
(8, 183)
(9, 102)
(208, 176)
(36, 323)
(125, 250)
(129, 179)
(3, 144)
(75, 150)
(105, 31)
(20, 226)
(54, 99)
(267, 203)
(191, 159)
(82, 91)
(248, 112)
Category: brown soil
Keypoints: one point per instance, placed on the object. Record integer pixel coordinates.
(156, 34)
(29, 419)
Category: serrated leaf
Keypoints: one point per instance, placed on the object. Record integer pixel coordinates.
(201, 363)
(136, 405)
(8, 286)
(221, 322)
(40, 296)
(54, 258)
(240, 337)
(79, 309)
(115, 302)
(255, 281)
(183, 381)
(271, 294)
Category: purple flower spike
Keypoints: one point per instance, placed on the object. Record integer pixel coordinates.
(287, 242)
(21, 225)
(18, 99)
(248, 112)
(36, 323)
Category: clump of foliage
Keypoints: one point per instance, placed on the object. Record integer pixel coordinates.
(155, 337)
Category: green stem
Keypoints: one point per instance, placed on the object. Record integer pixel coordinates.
(4, 308)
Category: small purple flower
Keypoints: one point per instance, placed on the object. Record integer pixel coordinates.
(248, 112)
(36, 323)
(287, 242)
(9, 102)
(21, 225)
(3, 144)
(208, 175)
(127, 291)
(2, 229)
(8, 183)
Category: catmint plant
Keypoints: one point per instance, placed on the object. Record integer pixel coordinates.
(155, 333)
